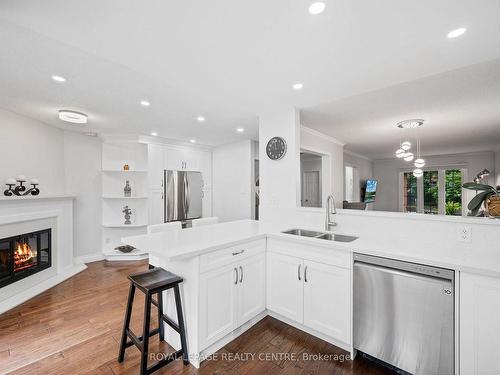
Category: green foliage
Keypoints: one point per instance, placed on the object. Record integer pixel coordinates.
(453, 208)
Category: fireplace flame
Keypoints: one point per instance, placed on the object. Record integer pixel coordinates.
(23, 255)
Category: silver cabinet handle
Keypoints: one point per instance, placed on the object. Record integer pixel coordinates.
(241, 274)
(305, 274)
(298, 271)
(236, 273)
(239, 252)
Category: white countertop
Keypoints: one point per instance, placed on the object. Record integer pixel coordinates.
(187, 243)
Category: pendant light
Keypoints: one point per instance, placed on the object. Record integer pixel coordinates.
(408, 156)
(418, 172)
(406, 145)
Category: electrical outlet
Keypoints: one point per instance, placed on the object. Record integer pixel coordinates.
(464, 233)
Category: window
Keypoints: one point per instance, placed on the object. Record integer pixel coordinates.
(409, 192)
(438, 191)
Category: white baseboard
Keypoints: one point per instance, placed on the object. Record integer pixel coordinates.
(25, 295)
(88, 258)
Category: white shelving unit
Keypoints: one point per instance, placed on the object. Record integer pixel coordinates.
(114, 156)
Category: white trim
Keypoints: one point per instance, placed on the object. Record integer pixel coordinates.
(326, 170)
(84, 259)
(321, 135)
(37, 197)
(356, 155)
(29, 293)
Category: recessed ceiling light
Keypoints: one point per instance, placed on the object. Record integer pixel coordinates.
(58, 78)
(91, 134)
(317, 8)
(297, 86)
(145, 103)
(457, 32)
(200, 119)
(240, 130)
(192, 140)
(73, 116)
(154, 134)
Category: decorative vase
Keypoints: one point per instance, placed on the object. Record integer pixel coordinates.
(126, 167)
(127, 190)
(492, 205)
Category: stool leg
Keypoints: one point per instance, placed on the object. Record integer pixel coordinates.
(145, 335)
(182, 329)
(160, 316)
(126, 323)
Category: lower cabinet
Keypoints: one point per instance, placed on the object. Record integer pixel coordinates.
(327, 302)
(479, 324)
(230, 296)
(284, 285)
(314, 294)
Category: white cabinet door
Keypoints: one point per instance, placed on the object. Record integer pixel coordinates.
(252, 287)
(155, 207)
(155, 166)
(327, 302)
(284, 285)
(173, 159)
(218, 292)
(479, 324)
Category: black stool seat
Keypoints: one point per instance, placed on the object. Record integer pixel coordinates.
(156, 278)
(153, 281)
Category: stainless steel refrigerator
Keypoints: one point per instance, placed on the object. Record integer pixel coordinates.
(183, 192)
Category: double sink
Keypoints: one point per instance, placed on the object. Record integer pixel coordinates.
(320, 235)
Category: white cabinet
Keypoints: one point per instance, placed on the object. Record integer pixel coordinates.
(284, 285)
(479, 324)
(155, 167)
(230, 296)
(327, 299)
(314, 294)
(181, 159)
(252, 284)
(218, 290)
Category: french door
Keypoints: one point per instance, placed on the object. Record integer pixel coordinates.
(438, 191)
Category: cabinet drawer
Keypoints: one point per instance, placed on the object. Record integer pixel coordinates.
(327, 255)
(231, 254)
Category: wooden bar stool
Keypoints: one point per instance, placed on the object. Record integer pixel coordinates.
(154, 281)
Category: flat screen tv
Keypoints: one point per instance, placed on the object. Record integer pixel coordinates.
(370, 191)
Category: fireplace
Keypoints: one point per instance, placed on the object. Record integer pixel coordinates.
(24, 255)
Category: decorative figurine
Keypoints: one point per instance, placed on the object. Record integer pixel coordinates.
(20, 190)
(127, 211)
(126, 167)
(127, 190)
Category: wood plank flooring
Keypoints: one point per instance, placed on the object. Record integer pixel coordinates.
(74, 328)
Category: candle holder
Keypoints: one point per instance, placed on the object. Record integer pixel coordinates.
(17, 187)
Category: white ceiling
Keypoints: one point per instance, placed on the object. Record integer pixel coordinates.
(225, 59)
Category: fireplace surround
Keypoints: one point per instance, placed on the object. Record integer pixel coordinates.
(24, 255)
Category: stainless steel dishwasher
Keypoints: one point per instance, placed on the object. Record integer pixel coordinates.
(404, 314)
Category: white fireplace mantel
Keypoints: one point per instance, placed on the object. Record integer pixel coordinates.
(28, 212)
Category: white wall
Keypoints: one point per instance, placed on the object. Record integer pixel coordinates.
(497, 167)
(33, 149)
(82, 159)
(386, 171)
(232, 181)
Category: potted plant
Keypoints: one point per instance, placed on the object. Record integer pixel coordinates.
(488, 195)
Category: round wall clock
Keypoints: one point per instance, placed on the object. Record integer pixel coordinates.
(276, 148)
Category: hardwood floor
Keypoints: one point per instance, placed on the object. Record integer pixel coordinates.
(74, 328)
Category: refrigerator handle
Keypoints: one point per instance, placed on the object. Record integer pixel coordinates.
(186, 195)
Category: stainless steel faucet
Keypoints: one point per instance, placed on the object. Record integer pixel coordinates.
(330, 209)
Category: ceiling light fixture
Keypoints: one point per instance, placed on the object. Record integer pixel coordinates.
(91, 134)
(317, 7)
(408, 156)
(457, 32)
(297, 86)
(418, 172)
(192, 140)
(410, 124)
(200, 119)
(154, 134)
(58, 78)
(240, 130)
(400, 153)
(73, 116)
(145, 103)
(406, 145)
